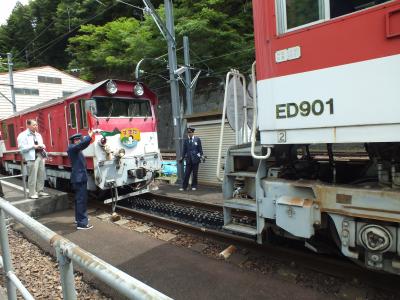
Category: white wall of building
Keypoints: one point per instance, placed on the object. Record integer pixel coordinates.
(28, 79)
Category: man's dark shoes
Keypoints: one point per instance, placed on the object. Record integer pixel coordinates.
(84, 227)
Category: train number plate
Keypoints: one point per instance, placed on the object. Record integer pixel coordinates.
(282, 136)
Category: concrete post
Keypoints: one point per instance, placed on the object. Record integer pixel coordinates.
(188, 77)
(172, 61)
(10, 74)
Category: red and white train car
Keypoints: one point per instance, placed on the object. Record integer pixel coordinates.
(125, 149)
(328, 85)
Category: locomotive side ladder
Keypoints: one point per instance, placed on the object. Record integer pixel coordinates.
(244, 168)
(242, 174)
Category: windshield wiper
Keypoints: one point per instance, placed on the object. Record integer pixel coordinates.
(110, 112)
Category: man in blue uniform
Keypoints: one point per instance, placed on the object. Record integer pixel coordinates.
(79, 177)
(192, 153)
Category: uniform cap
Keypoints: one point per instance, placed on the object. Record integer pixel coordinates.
(75, 136)
(190, 129)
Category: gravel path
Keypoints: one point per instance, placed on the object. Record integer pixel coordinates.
(39, 272)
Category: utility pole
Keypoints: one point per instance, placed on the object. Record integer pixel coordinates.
(172, 61)
(10, 74)
(188, 77)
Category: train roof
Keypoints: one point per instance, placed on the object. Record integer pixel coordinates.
(84, 91)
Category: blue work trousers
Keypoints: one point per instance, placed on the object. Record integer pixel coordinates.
(190, 168)
(80, 189)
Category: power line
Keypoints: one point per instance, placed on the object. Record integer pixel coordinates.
(27, 45)
(192, 51)
(56, 40)
(224, 55)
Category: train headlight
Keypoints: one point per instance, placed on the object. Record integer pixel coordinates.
(376, 238)
(111, 87)
(103, 141)
(138, 89)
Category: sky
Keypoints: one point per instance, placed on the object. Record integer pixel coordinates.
(6, 7)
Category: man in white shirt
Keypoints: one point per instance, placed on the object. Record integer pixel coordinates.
(30, 143)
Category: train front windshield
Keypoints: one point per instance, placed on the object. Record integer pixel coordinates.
(120, 107)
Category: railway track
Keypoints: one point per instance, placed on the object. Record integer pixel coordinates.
(206, 220)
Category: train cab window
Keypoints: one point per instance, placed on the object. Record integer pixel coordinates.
(83, 119)
(72, 115)
(343, 7)
(295, 14)
(114, 107)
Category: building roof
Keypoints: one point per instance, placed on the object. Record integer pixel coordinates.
(43, 67)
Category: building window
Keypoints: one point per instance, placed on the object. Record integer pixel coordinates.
(66, 93)
(11, 135)
(23, 91)
(48, 79)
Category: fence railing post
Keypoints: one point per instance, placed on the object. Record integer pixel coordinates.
(5, 249)
(24, 172)
(67, 275)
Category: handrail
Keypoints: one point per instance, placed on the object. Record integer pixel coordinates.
(254, 127)
(222, 127)
(235, 74)
(23, 175)
(18, 284)
(68, 252)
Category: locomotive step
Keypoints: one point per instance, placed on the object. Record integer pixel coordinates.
(245, 229)
(241, 203)
(245, 151)
(243, 174)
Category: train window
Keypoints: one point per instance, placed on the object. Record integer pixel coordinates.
(295, 14)
(343, 7)
(114, 107)
(83, 120)
(72, 115)
(4, 130)
(11, 135)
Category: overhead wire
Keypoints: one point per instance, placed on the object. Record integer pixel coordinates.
(56, 40)
(224, 55)
(39, 35)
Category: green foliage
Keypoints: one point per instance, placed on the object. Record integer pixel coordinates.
(108, 40)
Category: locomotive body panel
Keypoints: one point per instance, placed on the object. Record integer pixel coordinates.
(323, 83)
(115, 114)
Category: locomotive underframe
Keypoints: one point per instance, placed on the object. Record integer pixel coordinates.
(302, 195)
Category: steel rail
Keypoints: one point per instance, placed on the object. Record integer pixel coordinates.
(332, 265)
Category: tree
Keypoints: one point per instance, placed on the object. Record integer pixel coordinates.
(220, 33)
(18, 30)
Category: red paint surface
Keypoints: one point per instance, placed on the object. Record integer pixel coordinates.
(352, 38)
(58, 122)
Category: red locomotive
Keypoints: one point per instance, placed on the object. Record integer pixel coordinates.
(328, 159)
(125, 149)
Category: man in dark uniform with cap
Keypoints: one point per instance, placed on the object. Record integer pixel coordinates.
(192, 153)
(79, 177)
